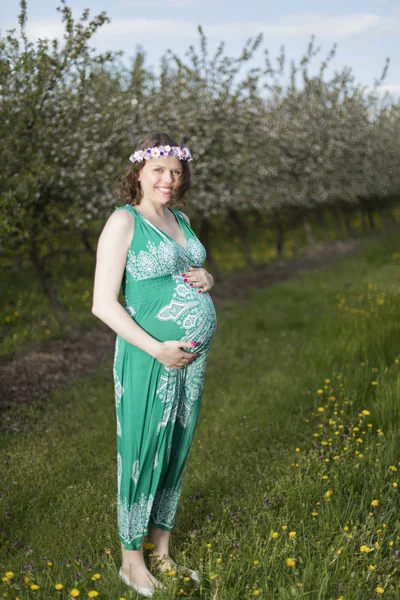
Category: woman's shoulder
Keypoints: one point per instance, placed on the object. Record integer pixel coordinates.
(121, 221)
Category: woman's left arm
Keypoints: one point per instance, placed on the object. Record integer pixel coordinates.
(197, 276)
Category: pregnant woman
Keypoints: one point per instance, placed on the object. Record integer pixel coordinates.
(164, 332)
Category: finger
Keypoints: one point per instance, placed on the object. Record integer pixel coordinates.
(186, 344)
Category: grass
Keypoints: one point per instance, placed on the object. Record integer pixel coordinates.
(292, 484)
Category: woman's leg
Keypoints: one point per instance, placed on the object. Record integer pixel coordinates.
(160, 539)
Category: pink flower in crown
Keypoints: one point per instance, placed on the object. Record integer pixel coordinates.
(155, 152)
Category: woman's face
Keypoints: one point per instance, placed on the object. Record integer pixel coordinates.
(159, 179)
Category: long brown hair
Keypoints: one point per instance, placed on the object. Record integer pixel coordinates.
(128, 189)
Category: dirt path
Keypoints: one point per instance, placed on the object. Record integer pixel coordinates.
(46, 366)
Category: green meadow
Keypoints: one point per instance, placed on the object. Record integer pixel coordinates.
(292, 486)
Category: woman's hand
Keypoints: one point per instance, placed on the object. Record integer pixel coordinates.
(171, 355)
(200, 278)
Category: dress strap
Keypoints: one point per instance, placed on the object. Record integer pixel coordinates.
(127, 207)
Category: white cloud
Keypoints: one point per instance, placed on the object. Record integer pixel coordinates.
(324, 25)
(168, 3)
(392, 88)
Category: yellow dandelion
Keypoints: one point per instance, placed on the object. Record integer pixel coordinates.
(371, 567)
(393, 468)
(314, 514)
(213, 576)
(49, 563)
(35, 587)
(375, 503)
(209, 545)
(186, 579)
(290, 562)
(218, 561)
(321, 409)
(339, 551)
(96, 576)
(379, 590)
(359, 440)
(391, 543)
(328, 494)
(274, 535)
(299, 585)
(256, 562)
(284, 527)
(93, 594)
(4, 578)
(395, 484)
(327, 380)
(365, 412)
(26, 579)
(298, 450)
(148, 546)
(292, 534)
(59, 587)
(320, 391)
(172, 573)
(9, 574)
(256, 592)
(74, 593)
(365, 549)
(374, 383)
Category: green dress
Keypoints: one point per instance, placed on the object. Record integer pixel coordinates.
(157, 407)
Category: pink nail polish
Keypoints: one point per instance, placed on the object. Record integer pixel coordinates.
(184, 279)
(193, 343)
(199, 291)
(191, 284)
(183, 274)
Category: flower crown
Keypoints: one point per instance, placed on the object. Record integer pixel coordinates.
(160, 152)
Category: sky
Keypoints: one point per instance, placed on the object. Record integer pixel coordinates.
(365, 31)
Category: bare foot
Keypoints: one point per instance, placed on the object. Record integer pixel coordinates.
(141, 576)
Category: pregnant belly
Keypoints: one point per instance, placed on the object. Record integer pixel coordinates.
(182, 314)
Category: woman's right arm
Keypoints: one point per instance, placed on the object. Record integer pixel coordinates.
(112, 250)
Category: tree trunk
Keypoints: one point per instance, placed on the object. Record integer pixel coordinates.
(347, 222)
(363, 221)
(87, 243)
(279, 238)
(295, 243)
(205, 229)
(242, 232)
(385, 214)
(309, 233)
(339, 223)
(370, 214)
(48, 285)
(324, 225)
